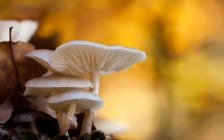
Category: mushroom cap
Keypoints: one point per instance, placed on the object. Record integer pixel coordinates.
(42, 56)
(47, 83)
(81, 57)
(22, 30)
(84, 99)
(58, 80)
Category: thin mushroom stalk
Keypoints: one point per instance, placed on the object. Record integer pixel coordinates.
(89, 115)
(59, 115)
(60, 119)
(88, 119)
(70, 115)
(95, 79)
(63, 122)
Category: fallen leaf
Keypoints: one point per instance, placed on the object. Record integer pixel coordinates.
(25, 67)
(8, 79)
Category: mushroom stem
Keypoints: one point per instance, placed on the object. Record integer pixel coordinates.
(88, 116)
(87, 122)
(70, 115)
(95, 79)
(60, 118)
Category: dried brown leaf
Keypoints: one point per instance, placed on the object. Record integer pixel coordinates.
(26, 68)
(8, 79)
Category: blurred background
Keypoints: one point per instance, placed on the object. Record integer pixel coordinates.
(177, 92)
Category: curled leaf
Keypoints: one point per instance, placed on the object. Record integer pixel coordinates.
(25, 67)
(8, 79)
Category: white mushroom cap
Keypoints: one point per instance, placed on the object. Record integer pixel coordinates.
(47, 83)
(81, 57)
(58, 80)
(85, 100)
(110, 127)
(42, 56)
(22, 30)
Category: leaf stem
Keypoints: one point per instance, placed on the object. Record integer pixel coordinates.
(13, 57)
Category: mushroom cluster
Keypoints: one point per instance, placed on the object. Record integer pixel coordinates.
(68, 93)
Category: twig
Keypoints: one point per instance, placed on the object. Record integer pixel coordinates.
(13, 57)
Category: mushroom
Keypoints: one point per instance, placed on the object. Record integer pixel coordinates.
(82, 57)
(81, 100)
(22, 30)
(42, 56)
(55, 84)
(28, 117)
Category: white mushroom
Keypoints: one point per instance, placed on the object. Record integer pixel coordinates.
(82, 57)
(81, 100)
(55, 84)
(22, 30)
(29, 117)
(42, 56)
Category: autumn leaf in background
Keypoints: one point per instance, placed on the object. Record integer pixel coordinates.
(15, 68)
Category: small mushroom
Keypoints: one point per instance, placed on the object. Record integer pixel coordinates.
(55, 84)
(82, 57)
(42, 56)
(28, 117)
(22, 30)
(81, 100)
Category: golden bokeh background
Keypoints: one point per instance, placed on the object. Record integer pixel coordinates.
(177, 92)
